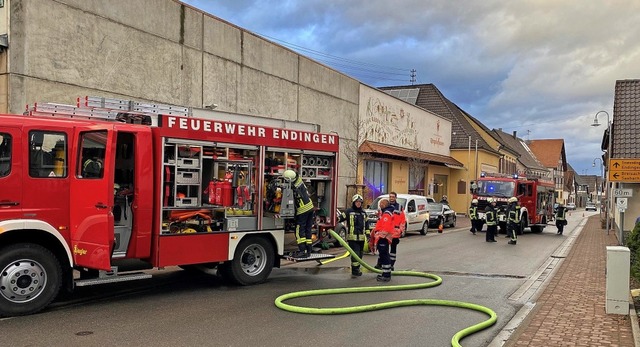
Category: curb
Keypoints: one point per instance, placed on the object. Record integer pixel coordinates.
(633, 315)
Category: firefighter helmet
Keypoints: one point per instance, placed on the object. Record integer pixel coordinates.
(513, 199)
(491, 200)
(356, 198)
(474, 201)
(289, 174)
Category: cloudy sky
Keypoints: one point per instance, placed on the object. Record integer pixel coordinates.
(543, 68)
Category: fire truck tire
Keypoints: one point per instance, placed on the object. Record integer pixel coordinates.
(252, 262)
(30, 278)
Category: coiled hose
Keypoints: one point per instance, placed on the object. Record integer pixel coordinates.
(455, 340)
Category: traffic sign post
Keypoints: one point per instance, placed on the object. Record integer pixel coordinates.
(624, 170)
(622, 193)
(622, 204)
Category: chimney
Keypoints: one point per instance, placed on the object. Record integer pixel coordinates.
(514, 134)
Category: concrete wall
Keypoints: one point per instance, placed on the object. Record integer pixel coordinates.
(166, 52)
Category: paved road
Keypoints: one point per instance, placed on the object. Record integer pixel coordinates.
(178, 308)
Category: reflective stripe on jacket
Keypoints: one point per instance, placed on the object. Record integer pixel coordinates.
(490, 216)
(356, 222)
(301, 195)
(514, 214)
(473, 212)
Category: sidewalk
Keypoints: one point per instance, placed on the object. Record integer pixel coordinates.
(571, 309)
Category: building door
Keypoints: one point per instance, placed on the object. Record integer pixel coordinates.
(440, 186)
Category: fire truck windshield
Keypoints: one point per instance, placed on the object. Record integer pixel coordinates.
(495, 188)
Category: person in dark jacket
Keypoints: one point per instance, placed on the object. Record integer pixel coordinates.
(513, 220)
(476, 222)
(490, 216)
(356, 219)
(304, 213)
(561, 218)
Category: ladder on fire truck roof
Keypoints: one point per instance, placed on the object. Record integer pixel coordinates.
(109, 109)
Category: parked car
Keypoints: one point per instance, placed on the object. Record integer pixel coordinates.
(571, 206)
(591, 206)
(441, 214)
(414, 207)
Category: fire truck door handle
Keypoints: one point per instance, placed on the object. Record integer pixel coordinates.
(9, 203)
(101, 205)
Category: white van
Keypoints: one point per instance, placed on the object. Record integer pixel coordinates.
(414, 207)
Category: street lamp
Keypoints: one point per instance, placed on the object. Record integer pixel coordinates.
(609, 138)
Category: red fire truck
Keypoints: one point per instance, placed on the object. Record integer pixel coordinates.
(87, 186)
(535, 196)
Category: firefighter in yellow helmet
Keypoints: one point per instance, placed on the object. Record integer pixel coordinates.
(513, 220)
(356, 224)
(304, 213)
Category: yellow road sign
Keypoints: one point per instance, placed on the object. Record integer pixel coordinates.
(624, 170)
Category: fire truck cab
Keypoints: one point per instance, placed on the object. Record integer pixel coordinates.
(535, 196)
(86, 186)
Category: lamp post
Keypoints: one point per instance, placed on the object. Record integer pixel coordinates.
(608, 191)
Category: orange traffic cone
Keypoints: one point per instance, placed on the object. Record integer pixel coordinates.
(440, 228)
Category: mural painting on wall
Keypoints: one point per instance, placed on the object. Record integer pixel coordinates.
(389, 125)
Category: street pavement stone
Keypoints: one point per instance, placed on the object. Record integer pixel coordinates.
(571, 309)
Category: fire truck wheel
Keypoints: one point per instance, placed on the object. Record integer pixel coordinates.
(252, 262)
(30, 278)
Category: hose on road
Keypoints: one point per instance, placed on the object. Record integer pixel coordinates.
(455, 340)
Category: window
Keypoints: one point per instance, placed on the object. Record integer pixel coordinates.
(411, 206)
(375, 178)
(92, 152)
(47, 154)
(5, 154)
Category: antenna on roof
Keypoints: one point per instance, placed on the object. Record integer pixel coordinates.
(413, 76)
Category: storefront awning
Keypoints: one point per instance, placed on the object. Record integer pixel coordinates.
(403, 153)
(457, 167)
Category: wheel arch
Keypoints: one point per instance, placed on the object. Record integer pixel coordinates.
(274, 237)
(43, 234)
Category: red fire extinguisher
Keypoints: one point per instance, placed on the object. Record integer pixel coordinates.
(211, 192)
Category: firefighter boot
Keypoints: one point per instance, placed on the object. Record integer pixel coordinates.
(512, 242)
(381, 278)
(355, 272)
(309, 249)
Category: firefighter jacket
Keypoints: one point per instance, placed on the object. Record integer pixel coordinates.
(561, 213)
(473, 212)
(301, 196)
(385, 227)
(513, 213)
(356, 219)
(490, 215)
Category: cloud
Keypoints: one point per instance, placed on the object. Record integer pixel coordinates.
(545, 66)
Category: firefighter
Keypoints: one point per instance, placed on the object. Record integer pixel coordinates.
(476, 223)
(561, 218)
(513, 219)
(491, 219)
(356, 219)
(303, 215)
(383, 234)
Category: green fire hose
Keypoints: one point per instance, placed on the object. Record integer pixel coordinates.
(455, 340)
